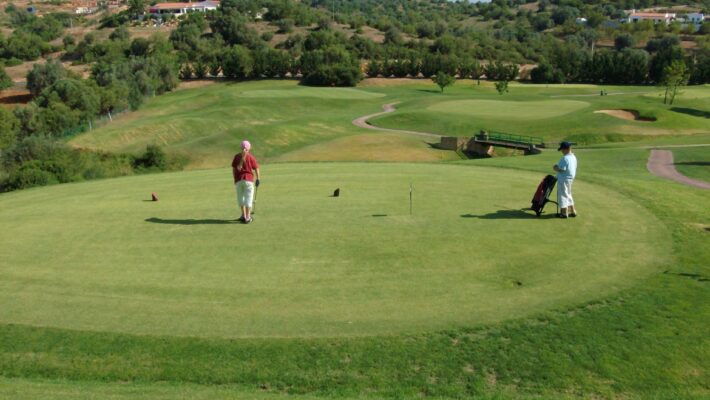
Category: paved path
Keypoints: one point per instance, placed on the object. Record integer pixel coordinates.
(660, 163)
(388, 108)
(597, 94)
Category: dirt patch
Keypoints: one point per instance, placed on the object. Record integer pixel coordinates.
(196, 83)
(15, 97)
(629, 115)
(384, 82)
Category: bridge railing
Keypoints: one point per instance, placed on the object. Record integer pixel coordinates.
(509, 137)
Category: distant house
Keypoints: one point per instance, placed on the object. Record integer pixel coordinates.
(695, 18)
(657, 18)
(183, 8)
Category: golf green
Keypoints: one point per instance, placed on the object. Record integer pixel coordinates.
(100, 256)
(509, 110)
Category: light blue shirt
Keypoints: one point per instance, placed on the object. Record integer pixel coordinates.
(567, 166)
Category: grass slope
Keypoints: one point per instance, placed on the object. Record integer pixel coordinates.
(312, 265)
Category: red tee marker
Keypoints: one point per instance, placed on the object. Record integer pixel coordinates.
(154, 196)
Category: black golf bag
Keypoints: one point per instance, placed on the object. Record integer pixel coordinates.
(542, 194)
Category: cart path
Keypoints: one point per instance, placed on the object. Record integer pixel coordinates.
(597, 94)
(660, 163)
(388, 108)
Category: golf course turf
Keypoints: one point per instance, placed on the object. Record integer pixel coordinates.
(105, 294)
(312, 265)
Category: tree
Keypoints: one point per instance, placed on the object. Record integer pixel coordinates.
(136, 7)
(623, 41)
(331, 66)
(75, 94)
(8, 128)
(5, 81)
(44, 75)
(674, 76)
(502, 87)
(442, 79)
(238, 63)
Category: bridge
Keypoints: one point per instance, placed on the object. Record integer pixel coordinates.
(484, 142)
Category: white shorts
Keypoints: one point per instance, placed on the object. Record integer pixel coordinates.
(564, 193)
(245, 193)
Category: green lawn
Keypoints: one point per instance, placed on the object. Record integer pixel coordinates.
(312, 265)
(693, 162)
(105, 295)
(286, 121)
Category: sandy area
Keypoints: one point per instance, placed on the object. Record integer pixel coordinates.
(629, 115)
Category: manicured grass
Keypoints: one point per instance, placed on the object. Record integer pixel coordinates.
(649, 341)
(207, 124)
(465, 109)
(693, 162)
(312, 265)
(106, 296)
(509, 110)
(285, 121)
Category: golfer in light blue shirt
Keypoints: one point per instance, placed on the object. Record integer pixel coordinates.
(566, 170)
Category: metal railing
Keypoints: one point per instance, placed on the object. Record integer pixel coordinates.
(509, 138)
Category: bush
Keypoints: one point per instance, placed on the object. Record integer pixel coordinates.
(29, 175)
(153, 158)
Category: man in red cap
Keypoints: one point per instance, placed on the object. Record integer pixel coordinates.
(244, 168)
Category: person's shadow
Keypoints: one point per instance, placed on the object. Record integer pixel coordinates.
(191, 221)
(510, 214)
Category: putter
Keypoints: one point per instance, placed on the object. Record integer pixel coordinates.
(253, 205)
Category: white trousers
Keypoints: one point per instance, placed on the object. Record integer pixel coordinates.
(245, 193)
(564, 193)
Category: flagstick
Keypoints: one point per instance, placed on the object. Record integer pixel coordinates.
(411, 189)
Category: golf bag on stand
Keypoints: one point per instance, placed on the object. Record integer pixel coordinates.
(542, 194)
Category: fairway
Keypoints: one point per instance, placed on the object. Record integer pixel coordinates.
(513, 110)
(97, 256)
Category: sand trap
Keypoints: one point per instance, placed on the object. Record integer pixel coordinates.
(630, 115)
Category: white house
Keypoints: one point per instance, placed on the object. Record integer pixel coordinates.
(695, 18)
(183, 8)
(657, 18)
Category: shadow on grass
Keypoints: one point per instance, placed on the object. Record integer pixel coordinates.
(698, 163)
(691, 111)
(510, 214)
(379, 215)
(192, 221)
(697, 277)
(429, 91)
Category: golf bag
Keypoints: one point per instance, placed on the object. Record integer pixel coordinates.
(542, 194)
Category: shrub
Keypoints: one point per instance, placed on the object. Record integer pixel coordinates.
(153, 158)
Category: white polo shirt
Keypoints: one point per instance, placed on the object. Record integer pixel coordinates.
(567, 166)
